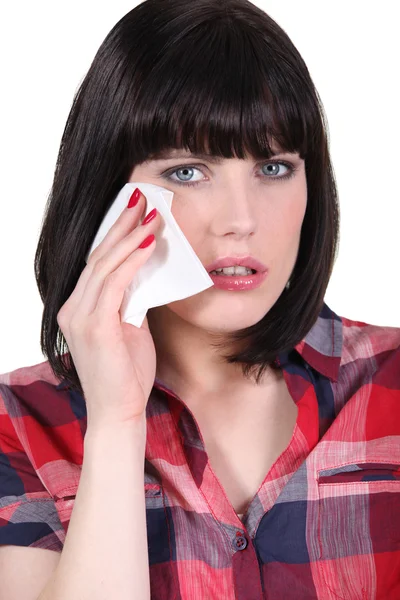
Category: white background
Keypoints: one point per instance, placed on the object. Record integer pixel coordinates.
(352, 51)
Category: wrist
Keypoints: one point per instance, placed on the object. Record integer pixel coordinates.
(112, 428)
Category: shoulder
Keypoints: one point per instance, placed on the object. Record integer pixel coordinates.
(27, 375)
(44, 423)
(32, 396)
(376, 347)
(36, 391)
(40, 458)
(29, 383)
(369, 378)
(24, 393)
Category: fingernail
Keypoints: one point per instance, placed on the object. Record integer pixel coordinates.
(149, 240)
(150, 216)
(134, 199)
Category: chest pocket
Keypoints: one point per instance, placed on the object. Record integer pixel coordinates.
(359, 531)
(161, 544)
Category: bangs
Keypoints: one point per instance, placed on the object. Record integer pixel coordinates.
(224, 91)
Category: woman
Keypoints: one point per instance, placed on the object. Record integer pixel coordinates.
(265, 422)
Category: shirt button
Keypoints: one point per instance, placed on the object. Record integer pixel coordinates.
(240, 542)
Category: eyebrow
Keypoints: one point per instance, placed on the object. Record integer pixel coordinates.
(169, 155)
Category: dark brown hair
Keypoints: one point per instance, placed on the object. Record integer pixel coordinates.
(207, 76)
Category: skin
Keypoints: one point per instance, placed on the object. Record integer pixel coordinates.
(240, 207)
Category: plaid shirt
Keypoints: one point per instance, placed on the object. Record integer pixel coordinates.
(325, 523)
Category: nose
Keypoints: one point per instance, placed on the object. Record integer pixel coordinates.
(235, 213)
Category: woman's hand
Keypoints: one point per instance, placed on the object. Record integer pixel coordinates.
(115, 361)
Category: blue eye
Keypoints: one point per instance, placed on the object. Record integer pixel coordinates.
(185, 173)
(274, 165)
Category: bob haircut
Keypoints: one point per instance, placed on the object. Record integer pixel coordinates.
(212, 77)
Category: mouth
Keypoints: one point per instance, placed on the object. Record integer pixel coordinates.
(231, 266)
(246, 279)
(244, 272)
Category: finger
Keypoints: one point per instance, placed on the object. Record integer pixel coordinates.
(112, 292)
(126, 222)
(105, 268)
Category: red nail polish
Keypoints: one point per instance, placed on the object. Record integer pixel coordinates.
(149, 240)
(150, 216)
(134, 199)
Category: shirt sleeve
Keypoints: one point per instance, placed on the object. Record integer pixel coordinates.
(28, 512)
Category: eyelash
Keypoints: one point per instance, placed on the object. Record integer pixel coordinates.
(289, 175)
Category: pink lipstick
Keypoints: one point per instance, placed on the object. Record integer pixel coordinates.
(240, 281)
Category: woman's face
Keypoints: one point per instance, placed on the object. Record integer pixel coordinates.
(236, 208)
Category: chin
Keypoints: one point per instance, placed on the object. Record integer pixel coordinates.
(220, 319)
(226, 312)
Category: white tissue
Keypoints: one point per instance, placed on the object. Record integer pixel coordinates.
(173, 272)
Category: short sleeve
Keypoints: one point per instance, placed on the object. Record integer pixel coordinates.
(28, 512)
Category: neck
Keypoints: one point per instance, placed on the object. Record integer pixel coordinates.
(186, 360)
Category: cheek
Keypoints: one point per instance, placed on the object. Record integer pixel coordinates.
(191, 222)
(284, 225)
(295, 216)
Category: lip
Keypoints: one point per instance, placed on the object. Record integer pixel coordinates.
(239, 282)
(243, 261)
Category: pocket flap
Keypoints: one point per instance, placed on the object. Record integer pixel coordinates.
(361, 471)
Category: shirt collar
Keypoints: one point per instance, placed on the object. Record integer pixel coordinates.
(322, 346)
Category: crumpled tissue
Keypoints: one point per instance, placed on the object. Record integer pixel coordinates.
(173, 272)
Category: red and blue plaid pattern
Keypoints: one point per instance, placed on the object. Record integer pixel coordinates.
(324, 524)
